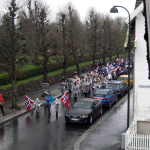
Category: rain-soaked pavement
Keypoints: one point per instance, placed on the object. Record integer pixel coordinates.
(40, 132)
(107, 134)
(31, 132)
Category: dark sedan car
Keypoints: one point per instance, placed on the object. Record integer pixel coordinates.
(107, 96)
(84, 111)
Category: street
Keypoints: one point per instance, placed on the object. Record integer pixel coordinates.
(42, 132)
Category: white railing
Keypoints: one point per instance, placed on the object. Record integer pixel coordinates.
(134, 141)
(133, 128)
(137, 142)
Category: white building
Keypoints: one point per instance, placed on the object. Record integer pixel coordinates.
(137, 136)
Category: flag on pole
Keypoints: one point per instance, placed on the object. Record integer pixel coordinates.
(65, 100)
(28, 103)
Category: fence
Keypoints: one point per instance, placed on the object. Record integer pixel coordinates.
(137, 142)
(134, 141)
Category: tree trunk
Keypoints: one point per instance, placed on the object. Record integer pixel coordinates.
(77, 65)
(94, 61)
(45, 69)
(14, 87)
(64, 66)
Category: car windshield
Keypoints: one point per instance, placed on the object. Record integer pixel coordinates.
(85, 105)
(100, 93)
(111, 85)
(123, 78)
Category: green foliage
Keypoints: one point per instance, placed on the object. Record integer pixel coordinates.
(28, 71)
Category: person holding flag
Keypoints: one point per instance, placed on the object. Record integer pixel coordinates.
(49, 100)
(37, 106)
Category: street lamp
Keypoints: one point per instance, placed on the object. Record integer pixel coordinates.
(115, 10)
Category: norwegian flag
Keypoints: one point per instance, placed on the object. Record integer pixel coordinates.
(28, 103)
(65, 100)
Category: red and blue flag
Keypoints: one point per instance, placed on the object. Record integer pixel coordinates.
(65, 100)
(28, 103)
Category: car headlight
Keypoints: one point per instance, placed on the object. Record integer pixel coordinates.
(85, 116)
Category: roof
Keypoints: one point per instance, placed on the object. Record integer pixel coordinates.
(138, 2)
(135, 13)
(132, 17)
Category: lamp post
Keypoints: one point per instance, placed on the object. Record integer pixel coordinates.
(115, 10)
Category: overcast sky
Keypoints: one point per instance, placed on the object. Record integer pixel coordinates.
(102, 6)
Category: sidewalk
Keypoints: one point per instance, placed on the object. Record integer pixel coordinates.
(11, 113)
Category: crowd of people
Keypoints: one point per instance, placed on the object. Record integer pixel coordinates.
(91, 80)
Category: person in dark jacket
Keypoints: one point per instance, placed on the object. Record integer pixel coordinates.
(83, 69)
(49, 100)
(2, 104)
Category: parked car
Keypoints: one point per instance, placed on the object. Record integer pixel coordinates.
(119, 86)
(107, 96)
(125, 79)
(85, 110)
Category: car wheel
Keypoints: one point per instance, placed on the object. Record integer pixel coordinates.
(122, 94)
(91, 119)
(109, 104)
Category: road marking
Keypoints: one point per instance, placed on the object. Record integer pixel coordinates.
(84, 135)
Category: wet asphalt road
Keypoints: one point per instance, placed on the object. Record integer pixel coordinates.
(31, 132)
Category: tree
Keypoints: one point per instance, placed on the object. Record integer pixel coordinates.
(92, 32)
(105, 40)
(75, 36)
(119, 35)
(62, 39)
(28, 20)
(44, 39)
(110, 38)
(11, 46)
